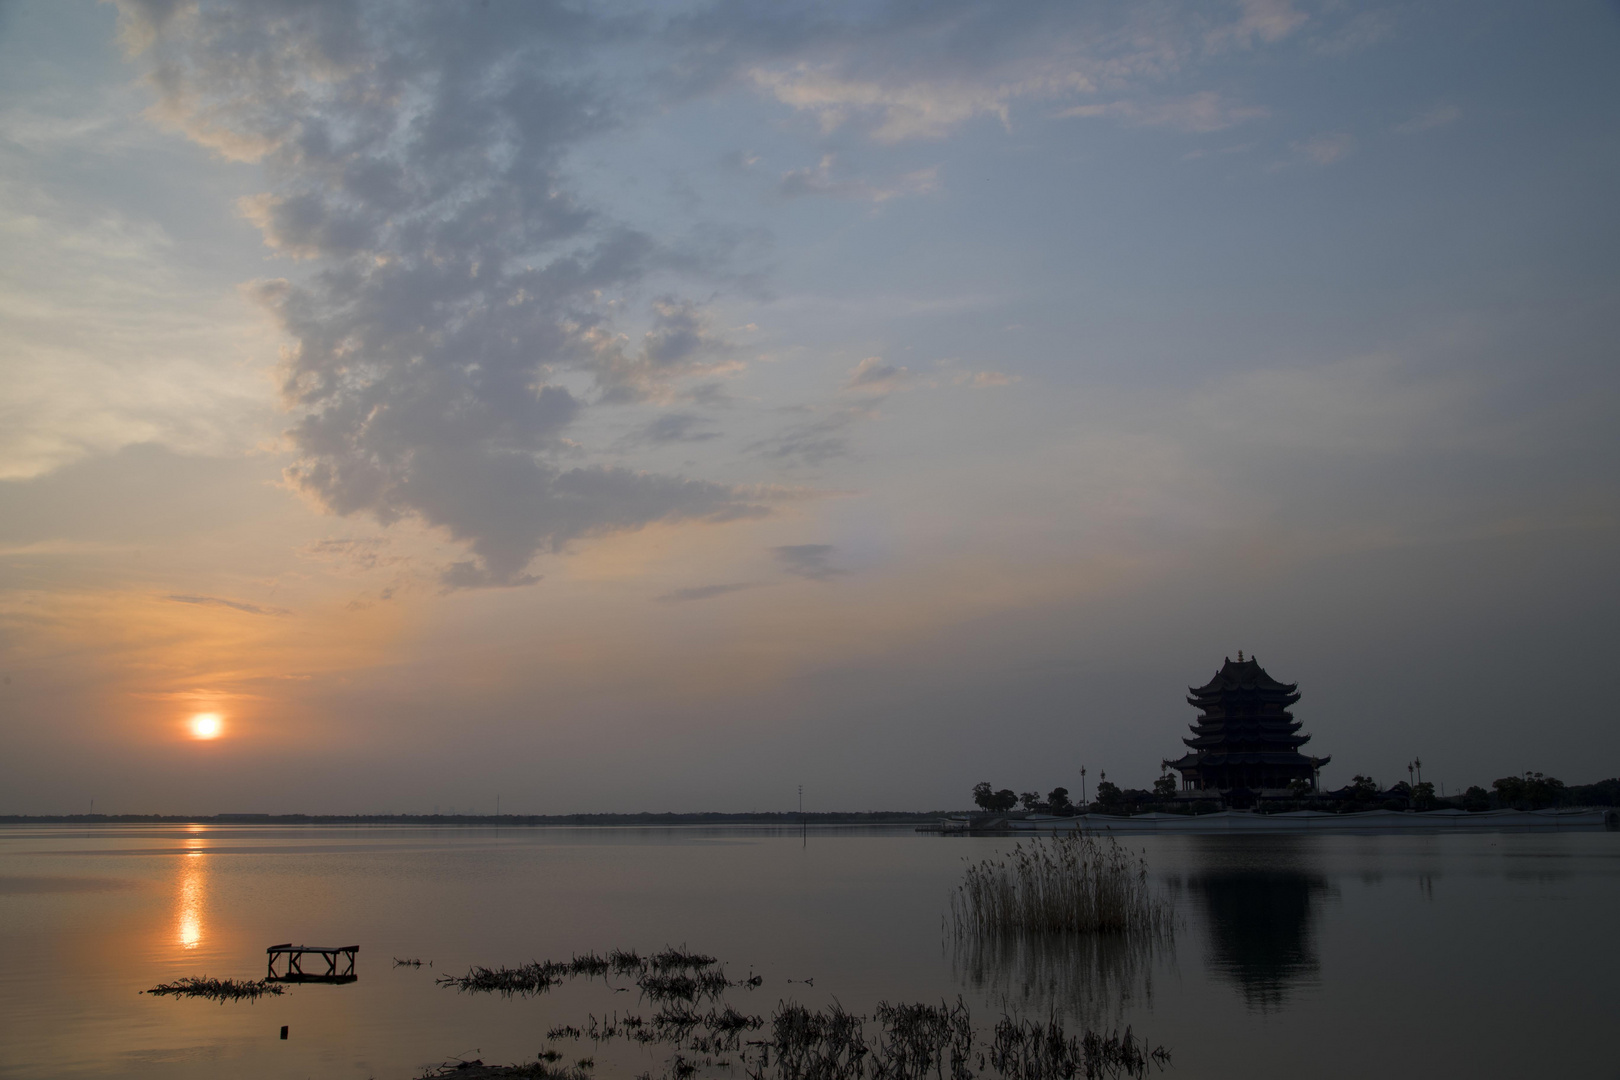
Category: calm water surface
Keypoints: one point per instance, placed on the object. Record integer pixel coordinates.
(1332, 956)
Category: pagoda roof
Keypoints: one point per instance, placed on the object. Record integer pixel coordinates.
(1242, 675)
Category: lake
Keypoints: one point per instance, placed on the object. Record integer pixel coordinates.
(1335, 956)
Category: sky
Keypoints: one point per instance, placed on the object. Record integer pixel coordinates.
(621, 407)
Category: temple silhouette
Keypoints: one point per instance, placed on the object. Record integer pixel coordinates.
(1245, 743)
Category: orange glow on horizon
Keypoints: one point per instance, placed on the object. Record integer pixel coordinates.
(206, 726)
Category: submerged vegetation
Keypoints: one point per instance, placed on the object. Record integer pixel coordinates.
(908, 1041)
(1074, 883)
(670, 975)
(220, 990)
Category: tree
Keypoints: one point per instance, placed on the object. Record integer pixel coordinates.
(1165, 787)
(1363, 788)
(1058, 801)
(994, 801)
(1476, 798)
(1108, 793)
(1299, 787)
(1532, 791)
(1423, 796)
(1031, 800)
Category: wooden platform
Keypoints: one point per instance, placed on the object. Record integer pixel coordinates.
(295, 969)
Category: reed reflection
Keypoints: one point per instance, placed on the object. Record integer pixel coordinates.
(1090, 978)
(1262, 925)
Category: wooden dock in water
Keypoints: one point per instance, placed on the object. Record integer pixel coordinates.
(295, 955)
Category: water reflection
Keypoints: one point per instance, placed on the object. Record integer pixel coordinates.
(193, 893)
(1092, 979)
(1262, 926)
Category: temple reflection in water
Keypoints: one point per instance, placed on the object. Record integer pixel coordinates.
(1260, 924)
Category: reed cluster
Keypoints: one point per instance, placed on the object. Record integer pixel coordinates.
(908, 1041)
(1024, 1050)
(1070, 883)
(680, 986)
(672, 974)
(220, 990)
(527, 979)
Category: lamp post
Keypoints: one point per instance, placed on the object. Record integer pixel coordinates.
(1083, 801)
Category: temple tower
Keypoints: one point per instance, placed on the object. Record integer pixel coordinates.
(1244, 738)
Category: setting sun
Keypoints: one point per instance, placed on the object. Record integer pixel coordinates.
(206, 726)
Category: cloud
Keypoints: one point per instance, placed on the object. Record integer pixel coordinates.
(234, 605)
(447, 273)
(702, 592)
(814, 442)
(354, 554)
(1435, 116)
(1323, 149)
(808, 560)
(1362, 30)
(872, 377)
(985, 379)
(906, 72)
(1201, 112)
(1258, 21)
(675, 427)
(819, 180)
(682, 341)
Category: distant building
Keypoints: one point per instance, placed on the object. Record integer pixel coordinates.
(1245, 740)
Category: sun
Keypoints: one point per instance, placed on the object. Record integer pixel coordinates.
(206, 725)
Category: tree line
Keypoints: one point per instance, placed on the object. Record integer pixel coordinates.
(1529, 791)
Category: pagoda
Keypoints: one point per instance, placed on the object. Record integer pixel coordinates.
(1245, 739)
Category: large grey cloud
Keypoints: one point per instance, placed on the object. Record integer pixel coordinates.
(415, 156)
(446, 279)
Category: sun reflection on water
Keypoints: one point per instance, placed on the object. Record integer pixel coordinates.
(193, 893)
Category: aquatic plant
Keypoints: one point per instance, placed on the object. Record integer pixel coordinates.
(918, 1039)
(589, 964)
(1063, 883)
(819, 1045)
(684, 987)
(477, 1070)
(912, 1041)
(624, 961)
(220, 990)
(673, 959)
(670, 974)
(533, 978)
(1030, 1051)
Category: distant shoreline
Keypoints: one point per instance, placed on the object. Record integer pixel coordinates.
(785, 819)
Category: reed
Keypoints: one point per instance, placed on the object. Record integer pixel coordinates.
(1030, 1051)
(589, 964)
(673, 959)
(679, 986)
(1071, 883)
(911, 1041)
(624, 961)
(221, 990)
(534, 978)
